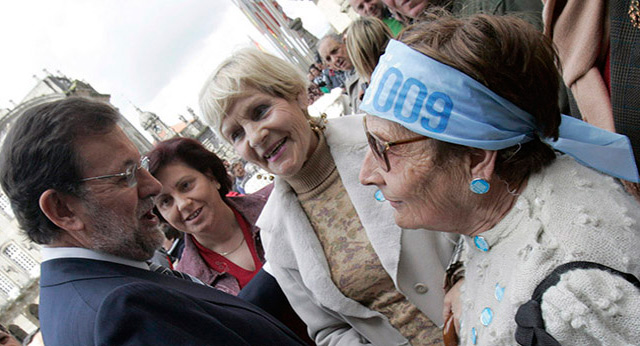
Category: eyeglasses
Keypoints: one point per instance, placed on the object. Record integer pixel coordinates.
(130, 173)
(380, 147)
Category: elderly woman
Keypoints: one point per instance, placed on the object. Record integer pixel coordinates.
(461, 114)
(367, 37)
(332, 246)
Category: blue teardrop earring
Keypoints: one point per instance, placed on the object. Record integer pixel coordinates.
(479, 186)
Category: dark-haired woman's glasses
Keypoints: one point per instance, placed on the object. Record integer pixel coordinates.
(380, 147)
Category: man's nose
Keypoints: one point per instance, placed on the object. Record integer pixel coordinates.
(148, 186)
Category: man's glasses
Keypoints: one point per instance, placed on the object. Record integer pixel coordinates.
(129, 174)
(380, 147)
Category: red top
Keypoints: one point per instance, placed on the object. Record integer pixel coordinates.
(223, 265)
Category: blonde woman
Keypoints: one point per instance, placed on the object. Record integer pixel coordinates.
(329, 241)
(366, 41)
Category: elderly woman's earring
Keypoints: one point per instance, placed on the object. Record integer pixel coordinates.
(479, 186)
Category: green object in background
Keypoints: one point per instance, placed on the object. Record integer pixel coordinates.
(325, 90)
(394, 25)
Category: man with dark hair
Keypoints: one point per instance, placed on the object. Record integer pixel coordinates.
(78, 186)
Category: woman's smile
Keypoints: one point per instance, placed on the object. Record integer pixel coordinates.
(270, 131)
(277, 151)
(189, 200)
(194, 215)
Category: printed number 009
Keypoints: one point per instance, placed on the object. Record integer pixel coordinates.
(397, 100)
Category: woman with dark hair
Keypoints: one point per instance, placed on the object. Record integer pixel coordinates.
(222, 244)
(463, 126)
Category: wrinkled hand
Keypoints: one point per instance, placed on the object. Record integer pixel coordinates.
(452, 305)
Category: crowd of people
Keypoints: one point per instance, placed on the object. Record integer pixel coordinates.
(458, 167)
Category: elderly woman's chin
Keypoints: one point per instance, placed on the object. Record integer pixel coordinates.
(417, 215)
(406, 219)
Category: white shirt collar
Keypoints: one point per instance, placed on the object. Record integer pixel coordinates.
(51, 253)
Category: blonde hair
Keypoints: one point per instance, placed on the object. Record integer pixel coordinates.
(244, 69)
(367, 39)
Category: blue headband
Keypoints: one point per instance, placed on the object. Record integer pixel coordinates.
(438, 101)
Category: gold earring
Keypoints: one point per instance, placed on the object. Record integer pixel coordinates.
(318, 124)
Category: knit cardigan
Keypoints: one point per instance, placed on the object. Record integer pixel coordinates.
(566, 213)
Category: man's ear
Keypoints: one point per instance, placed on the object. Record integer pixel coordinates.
(58, 208)
(483, 163)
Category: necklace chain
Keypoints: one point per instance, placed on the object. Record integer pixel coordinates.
(234, 250)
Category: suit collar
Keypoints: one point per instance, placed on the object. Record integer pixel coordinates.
(66, 270)
(49, 253)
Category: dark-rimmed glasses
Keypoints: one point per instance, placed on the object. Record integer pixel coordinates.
(380, 147)
(129, 173)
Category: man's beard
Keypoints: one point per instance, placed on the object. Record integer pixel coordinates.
(115, 236)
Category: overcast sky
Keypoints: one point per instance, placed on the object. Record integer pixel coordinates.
(157, 54)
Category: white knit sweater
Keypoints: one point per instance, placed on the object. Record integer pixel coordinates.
(566, 213)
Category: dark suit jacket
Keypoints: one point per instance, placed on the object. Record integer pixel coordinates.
(88, 302)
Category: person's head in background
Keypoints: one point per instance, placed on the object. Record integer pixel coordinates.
(367, 38)
(238, 169)
(6, 339)
(170, 234)
(413, 9)
(368, 8)
(314, 70)
(333, 52)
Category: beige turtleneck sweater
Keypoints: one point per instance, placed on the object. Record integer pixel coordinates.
(355, 267)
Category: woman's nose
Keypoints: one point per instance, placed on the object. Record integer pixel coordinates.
(368, 175)
(256, 135)
(182, 203)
